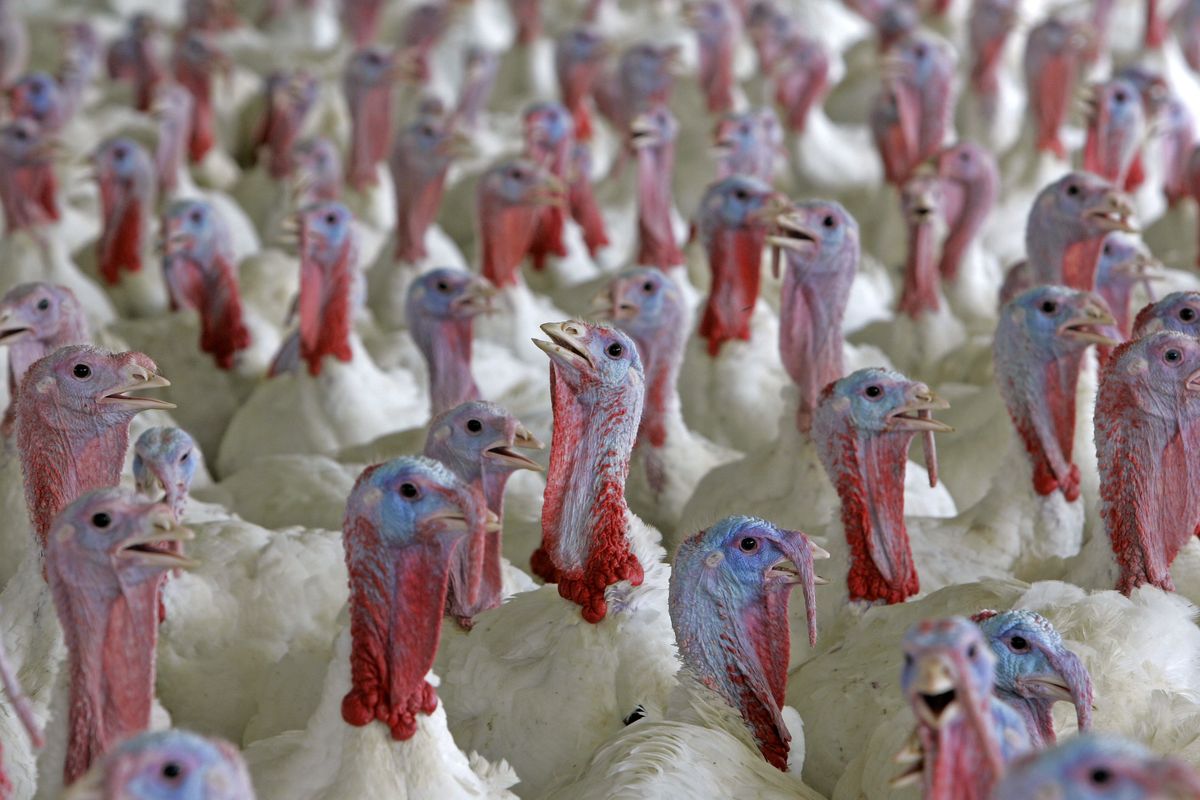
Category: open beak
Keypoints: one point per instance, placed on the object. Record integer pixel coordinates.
(1086, 326)
(1192, 384)
(791, 232)
(139, 379)
(1050, 686)
(147, 549)
(1114, 212)
(458, 145)
(506, 453)
(916, 415)
(566, 345)
(10, 332)
(935, 698)
(643, 132)
(550, 191)
(477, 298)
(1141, 268)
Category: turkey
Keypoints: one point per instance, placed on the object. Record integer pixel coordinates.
(724, 733)
(1092, 767)
(378, 730)
(164, 764)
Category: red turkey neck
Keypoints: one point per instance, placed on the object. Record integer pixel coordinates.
(63, 457)
(125, 228)
(1148, 503)
(955, 759)
(203, 133)
(223, 333)
(504, 239)
(1072, 264)
(920, 293)
(28, 195)
(370, 137)
(417, 204)
(661, 360)
(396, 607)
(585, 548)
(656, 236)
(810, 333)
(870, 483)
(962, 231)
(735, 258)
(111, 642)
(1056, 400)
(324, 307)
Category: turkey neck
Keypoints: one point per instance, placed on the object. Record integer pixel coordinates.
(1055, 261)
(446, 345)
(505, 234)
(222, 330)
(716, 69)
(956, 766)
(735, 258)
(978, 198)
(203, 127)
(397, 594)
(812, 303)
(920, 271)
(1041, 404)
(125, 228)
(737, 647)
(870, 484)
(27, 195)
(63, 457)
(584, 514)
(662, 354)
(370, 116)
(111, 639)
(417, 201)
(656, 239)
(1038, 717)
(324, 306)
(1147, 469)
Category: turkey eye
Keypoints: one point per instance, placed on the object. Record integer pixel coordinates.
(1108, 250)
(331, 218)
(908, 660)
(919, 52)
(101, 520)
(972, 651)
(1100, 776)
(964, 156)
(20, 134)
(749, 544)
(1171, 356)
(648, 287)
(1072, 190)
(185, 456)
(1049, 306)
(171, 770)
(474, 425)
(873, 391)
(1187, 314)
(1019, 644)
(442, 286)
(1120, 97)
(196, 217)
(43, 304)
(82, 371)
(614, 350)
(119, 154)
(741, 194)
(409, 490)
(829, 222)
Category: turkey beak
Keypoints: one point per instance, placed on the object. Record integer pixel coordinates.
(458, 145)
(1114, 212)
(1192, 384)
(566, 345)
(150, 548)
(505, 454)
(10, 330)
(1085, 326)
(1141, 268)
(550, 191)
(643, 132)
(935, 691)
(138, 378)
(792, 233)
(611, 305)
(915, 415)
(477, 299)
(450, 521)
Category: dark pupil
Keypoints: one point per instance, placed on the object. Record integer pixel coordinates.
(829, 222)
(874, 391)
(1072, 190)
(196, 217)
(1107, 250)
(21, 135)
(82, 371)
(1119, 97)
(971, 651)
(119, 153)
(740, 194)
(615, 349)
(1173, 355)
(43, 304)
(331, 219)
(474, 425)
(1187, 315)
(647, 287)
(749, 544)
(184, 457)
(171, 770)
(443, 286)
(1019, 643)
(408, 490)
(101, 520)
(1049, 307)
(1101, 776)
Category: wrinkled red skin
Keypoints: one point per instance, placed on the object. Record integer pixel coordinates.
(766, 626)
(214, 293)
(111, 659)
(1059, 383)
(1050, 98)
(656, 234)
(1148, 503)
(395, 626)
(120, 246)
(957, 765)
(28, 195)
(203, 126)
(894, 127)
(504, 245)
(371, 138)
(1156, 26)
(417, 204)
(734, 257)
(1079, 263)
(799, 91)
(324, 311)
(528, 15)
(548, 236)
(609, 559)
(870, 483)
(361, 18)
